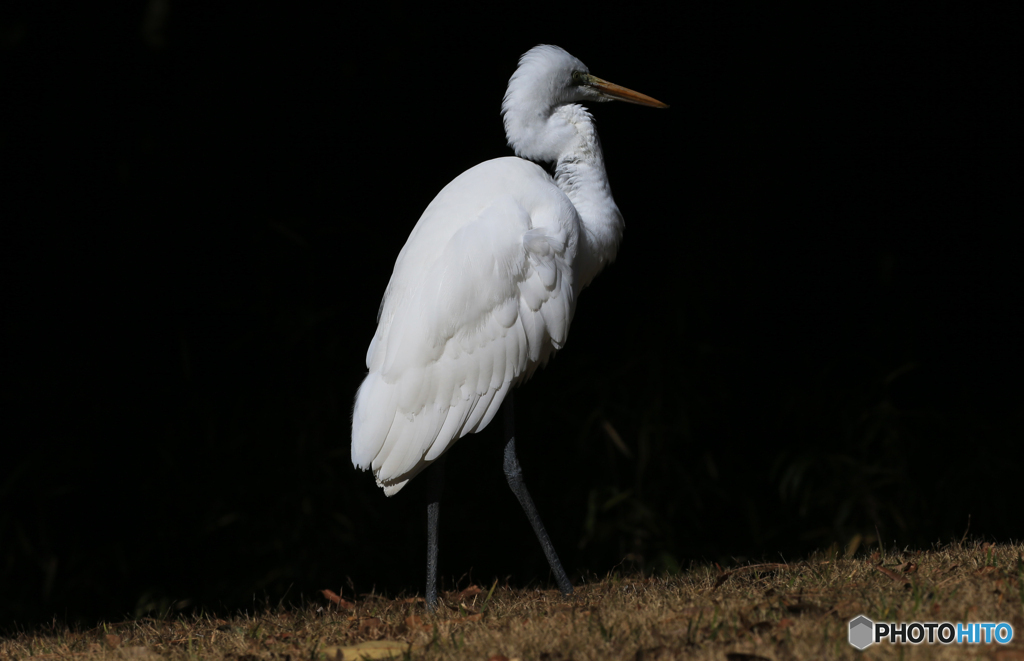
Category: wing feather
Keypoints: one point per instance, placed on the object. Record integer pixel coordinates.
(481, 295)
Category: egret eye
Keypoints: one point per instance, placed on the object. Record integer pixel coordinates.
(578, 77)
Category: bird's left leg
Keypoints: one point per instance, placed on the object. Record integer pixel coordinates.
(434, 489)
(514, 475)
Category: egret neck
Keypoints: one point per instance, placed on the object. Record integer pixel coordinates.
(566, 136)
(580, 173)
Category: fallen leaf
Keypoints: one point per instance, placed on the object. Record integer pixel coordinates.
(415, 623)
(471, 591)
(371, 649)
(908, 567)
(337, 600)
(891, 574)
(370, 626)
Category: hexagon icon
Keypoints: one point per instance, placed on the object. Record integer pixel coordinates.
(862, 632)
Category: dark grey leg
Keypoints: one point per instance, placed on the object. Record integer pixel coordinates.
(434, 489)
(514, 475)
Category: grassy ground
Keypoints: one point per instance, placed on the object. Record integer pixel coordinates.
(797, 610)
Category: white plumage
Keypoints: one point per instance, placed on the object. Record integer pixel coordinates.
(485, 288)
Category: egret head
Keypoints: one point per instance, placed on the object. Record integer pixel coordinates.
(549, 77)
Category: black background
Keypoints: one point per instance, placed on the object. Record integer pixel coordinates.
(812, 332)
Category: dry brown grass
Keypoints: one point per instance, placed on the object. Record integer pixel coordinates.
(797, 610)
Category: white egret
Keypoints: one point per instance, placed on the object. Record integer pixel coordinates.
(485, 288)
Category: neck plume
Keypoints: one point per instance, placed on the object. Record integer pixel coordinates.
(567, 137)
(543, 124)
(580, 173)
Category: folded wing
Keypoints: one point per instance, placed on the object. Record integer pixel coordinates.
(474, 306)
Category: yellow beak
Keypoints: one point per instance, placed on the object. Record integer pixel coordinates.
(613, 91)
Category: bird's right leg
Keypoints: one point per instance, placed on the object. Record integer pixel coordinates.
(514, 475)
(434, 489)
